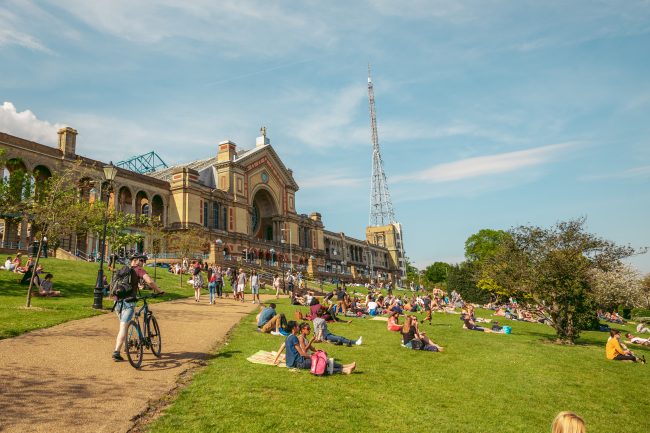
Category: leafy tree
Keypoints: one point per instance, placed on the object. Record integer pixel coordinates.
(645, 292)
(480, 246)
(57, 212)
(620, 285)
(437, 272)
(553, 268)
(462, 278)
(118, 226)
(412, 273)
(188, 243)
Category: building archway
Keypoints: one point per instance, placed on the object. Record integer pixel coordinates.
(142, 207)
(125, 200)
(265, 208)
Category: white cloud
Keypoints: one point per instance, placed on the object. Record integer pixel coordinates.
(331, 121)
(10, 35)
(488, 165)
(631, 173)
(252, 26)
(25, 124)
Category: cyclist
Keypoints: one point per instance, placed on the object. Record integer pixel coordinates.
(125, 308)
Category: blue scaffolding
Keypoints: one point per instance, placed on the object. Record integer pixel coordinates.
(143, 163)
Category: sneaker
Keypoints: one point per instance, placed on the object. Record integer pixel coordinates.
(642, 359)
(117, 357)
(275, 333)
(359, 341)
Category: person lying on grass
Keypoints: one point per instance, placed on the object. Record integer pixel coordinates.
(637, 340)
(298, 355)
(415, 339)
(615, 351)
(321, 332)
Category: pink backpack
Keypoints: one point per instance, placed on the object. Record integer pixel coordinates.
(318, 363)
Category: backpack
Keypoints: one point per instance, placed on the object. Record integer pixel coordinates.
(121, 287)
(318, 363)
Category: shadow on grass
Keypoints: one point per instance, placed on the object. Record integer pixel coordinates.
(227, 354)
(170, 360)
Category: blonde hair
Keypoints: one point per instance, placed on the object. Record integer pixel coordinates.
(568, 422)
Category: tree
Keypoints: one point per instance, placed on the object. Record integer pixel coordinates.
(437, 272)
(412, 273)
(480, 246)
(187, 243)
(620, 285)
(645, 292)
(57, 211)
(553, 268)
(462, 278)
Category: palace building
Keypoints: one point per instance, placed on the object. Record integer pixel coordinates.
(244, 200)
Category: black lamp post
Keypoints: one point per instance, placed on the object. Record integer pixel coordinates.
(110, 171)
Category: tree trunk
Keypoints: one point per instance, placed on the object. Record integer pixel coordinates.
(31, 280)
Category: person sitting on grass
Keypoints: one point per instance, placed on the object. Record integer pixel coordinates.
(568, 422)
(323, 334)
(393, 323)
(614, 350)
(637, 340)
(298, 357)
(269, 321)
(9, 265)
(415, 339)
(46, 287)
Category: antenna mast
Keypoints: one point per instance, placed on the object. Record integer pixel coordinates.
(381, 206)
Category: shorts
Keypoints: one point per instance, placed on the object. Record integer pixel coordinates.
(240, 288)
(125, 311)
(255, 290)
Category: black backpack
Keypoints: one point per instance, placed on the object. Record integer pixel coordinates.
(121, 285)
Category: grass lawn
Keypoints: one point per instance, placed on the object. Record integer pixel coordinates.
(481, 383)
(76, 280)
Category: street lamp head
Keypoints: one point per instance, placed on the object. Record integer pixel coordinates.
(110, 171)
(272, 251)
(218, 242)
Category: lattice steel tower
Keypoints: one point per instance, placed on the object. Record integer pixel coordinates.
(381, 206)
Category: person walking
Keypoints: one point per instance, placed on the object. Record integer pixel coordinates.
(277, 285)
(197, 281)
(125, 307)
(241, 284)
(255, 286)
(218, 275)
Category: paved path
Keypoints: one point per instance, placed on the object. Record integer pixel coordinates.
(62, 379)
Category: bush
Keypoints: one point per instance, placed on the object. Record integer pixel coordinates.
(625, 312)
(640, 312)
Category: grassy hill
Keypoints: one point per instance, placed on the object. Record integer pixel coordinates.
(481, 383)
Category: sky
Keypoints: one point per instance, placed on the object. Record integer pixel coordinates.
(491, 114)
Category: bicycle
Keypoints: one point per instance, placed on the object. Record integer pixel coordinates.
(138, 337)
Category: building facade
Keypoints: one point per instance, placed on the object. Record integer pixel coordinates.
(243, 201)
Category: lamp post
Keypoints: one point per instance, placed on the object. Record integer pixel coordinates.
(290, 247)
(272, 251)
(218, 244)
(110, 171)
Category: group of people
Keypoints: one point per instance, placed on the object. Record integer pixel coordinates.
(41, 281)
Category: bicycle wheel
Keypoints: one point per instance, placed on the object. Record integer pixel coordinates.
(155, 340)
(133, 344)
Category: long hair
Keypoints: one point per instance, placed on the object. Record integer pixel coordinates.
(407, 325)
(568, 422)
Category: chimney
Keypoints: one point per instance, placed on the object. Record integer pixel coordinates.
(227, 151)
(67, 141)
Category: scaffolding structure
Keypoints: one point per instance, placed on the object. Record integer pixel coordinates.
(143, 164)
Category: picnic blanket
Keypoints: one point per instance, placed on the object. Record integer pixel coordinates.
(266, 358)
(383, 319)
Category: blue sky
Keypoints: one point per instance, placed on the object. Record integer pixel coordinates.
(491, 114)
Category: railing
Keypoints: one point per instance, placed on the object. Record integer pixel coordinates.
(12, 245)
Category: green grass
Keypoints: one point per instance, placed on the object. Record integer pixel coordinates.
(76, 281)
(481, 383)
